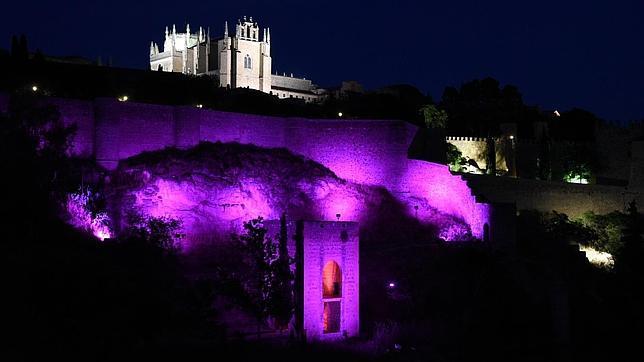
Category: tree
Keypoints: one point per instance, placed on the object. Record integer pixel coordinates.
(628, 261)
(282, 303)
(15, 47)
(266, 280)
(455, 158)
(479, 107)
(259, 253)
(33, 151)
(164, 233)
(19, 48)
(434, 117)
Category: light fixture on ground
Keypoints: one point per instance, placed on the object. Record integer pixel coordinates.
(34, 88)
(123, 98)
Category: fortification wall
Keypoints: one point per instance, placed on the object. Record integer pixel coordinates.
(81, 114)
(474, 148)
(363, 151)
(368, 152)
(447, 192)
(571, 199)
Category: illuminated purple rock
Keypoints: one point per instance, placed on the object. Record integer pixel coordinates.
(446, 192)
(214, 188)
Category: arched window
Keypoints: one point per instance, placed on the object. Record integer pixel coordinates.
(247, 62)
(331, 280)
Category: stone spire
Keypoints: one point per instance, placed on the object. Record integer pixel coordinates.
(174, 38)
(166, 32)
(188, 29)
(268, 35)
(226, 29)
(152, 48)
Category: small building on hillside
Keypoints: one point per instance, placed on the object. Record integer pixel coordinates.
(327, 277)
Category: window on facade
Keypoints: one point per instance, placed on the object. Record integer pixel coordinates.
(247, 62)
(331, 317)
(331, 280)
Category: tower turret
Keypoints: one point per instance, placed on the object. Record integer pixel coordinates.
(154, 49)
(174, 39)
(247, 29)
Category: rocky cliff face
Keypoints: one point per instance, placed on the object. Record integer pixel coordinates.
(214, 187)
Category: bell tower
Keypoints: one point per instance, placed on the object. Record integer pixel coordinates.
(245, 57)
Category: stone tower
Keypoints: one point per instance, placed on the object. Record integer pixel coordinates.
(327, 277)
(244, 58)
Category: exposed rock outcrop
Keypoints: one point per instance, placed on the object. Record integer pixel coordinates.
(214, 187)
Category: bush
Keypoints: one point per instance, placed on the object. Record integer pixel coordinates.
(607, 230)
(455, 158)
(161, 232)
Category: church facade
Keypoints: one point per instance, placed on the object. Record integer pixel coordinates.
(239, 60)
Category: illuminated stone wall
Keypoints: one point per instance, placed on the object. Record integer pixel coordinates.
(571, 199)
(474, 148)
(362, 151)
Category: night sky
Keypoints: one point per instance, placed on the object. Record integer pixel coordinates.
(561, 54)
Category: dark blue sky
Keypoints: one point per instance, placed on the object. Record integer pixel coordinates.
(560, 54)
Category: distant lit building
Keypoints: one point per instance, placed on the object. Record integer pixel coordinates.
(239, 60)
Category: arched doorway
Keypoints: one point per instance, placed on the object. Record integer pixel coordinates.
(332, 297)
(331, 280)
